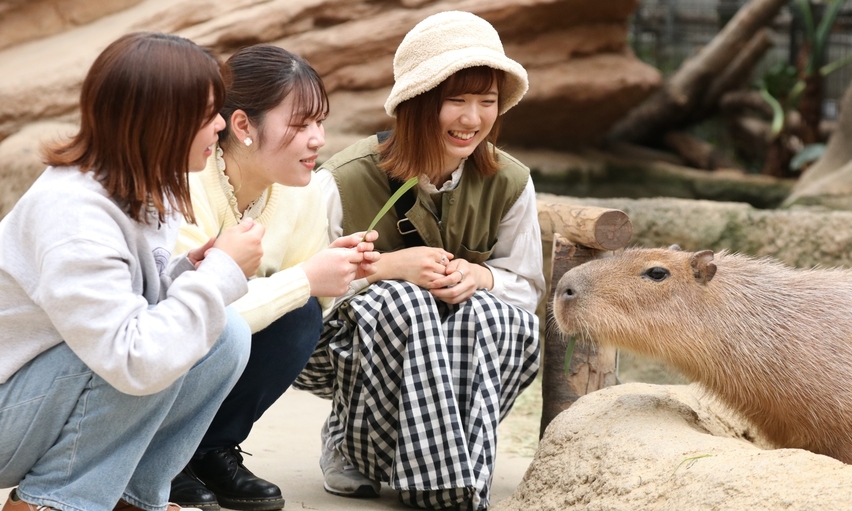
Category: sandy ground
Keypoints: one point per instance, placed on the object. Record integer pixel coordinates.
(285, 447)
(285, 443)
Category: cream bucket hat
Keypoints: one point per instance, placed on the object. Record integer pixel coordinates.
(445, 43)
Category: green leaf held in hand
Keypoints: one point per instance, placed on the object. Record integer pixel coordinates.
(389, 204)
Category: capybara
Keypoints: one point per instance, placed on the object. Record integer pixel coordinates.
(771, 341)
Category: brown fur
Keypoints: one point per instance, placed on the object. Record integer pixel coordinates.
(773, 342)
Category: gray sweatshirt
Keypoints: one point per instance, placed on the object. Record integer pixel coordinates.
(75, 268)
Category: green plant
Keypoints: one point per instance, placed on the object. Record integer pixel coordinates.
(391, 201)
(691, 460)
(809, 154)
(816, 37)
(785, 88)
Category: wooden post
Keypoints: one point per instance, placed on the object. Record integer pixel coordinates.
(591, 231)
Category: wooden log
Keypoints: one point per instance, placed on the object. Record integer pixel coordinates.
(642, 153)
(751, 136)
(598, 228)
(696, 152)
(736, 74)
(740, 102)
(672, 106)
(591, 367)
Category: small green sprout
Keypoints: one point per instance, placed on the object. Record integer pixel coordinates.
(692, 459)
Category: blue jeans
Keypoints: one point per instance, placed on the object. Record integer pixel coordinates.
(73, 442)
(279, 352)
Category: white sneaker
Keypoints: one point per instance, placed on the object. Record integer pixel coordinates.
(341, 477)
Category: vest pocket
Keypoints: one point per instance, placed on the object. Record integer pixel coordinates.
(475, 256)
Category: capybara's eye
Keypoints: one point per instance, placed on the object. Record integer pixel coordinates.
(657, 274)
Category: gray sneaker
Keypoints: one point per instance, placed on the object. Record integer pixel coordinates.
(341, 477)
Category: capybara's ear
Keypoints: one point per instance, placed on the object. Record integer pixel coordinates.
(702, 269)
(674, 247)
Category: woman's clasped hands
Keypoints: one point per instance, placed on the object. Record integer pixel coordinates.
(449, 279)
(459, 282)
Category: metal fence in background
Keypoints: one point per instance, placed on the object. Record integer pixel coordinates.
(666, 32)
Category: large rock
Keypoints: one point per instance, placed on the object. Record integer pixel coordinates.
(828, 181)
(25, 20)
(575, 51)
(832, 190)
(651, 447)
(21, 157)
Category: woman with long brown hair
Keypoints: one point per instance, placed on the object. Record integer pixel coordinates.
(114, 356)
(423, 364)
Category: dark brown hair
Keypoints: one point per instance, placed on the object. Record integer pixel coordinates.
(141, 105)
(260, 77)
(415, 146)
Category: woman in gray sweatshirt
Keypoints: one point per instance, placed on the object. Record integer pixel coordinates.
(113, 356)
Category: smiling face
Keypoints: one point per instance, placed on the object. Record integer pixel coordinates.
(465, 121)
(288, 146)
(205, 139)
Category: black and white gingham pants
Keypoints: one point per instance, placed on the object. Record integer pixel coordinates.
(418, 388)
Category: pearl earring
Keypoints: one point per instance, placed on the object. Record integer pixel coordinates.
(247, 141)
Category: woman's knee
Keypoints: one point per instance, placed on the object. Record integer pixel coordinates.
(310, 316)
(299, 329)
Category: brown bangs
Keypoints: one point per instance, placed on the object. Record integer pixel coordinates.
(471, 80)
(141, 104)
(415, 147)
(311, 100)
(310, 103)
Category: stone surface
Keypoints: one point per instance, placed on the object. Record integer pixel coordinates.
(575, 51)
(596, 90)
(21, 159)
(22, 20)
(652, 447)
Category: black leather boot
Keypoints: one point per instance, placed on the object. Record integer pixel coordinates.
(222, 472)
(187, 491)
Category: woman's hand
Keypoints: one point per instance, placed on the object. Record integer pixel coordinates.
(418, 265)
(196, 255)
(354, 240)
(330, 271)
(461, 281)
(243, 243)
(362, 242)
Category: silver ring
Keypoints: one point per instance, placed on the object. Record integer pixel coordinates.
(462, 274)
(444, 260)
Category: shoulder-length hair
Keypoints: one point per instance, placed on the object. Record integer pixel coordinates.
(415, 147)
(259, 78)
(142, 102)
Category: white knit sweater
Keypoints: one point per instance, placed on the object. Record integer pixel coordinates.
(296, 229)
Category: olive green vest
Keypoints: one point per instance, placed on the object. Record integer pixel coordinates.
(470, 214)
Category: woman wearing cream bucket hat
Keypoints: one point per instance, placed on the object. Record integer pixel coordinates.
(424, 358)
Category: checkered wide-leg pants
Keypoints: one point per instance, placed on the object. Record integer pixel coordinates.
(418, 387)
